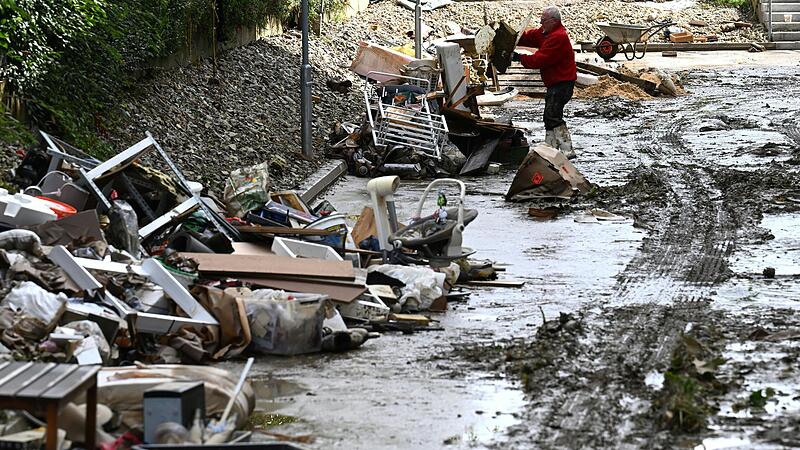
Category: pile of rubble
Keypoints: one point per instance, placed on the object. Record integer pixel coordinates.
(388, 23)
(234, 109)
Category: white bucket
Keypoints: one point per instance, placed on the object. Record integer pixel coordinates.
(20, 209)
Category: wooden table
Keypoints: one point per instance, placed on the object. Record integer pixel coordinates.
(43, 388)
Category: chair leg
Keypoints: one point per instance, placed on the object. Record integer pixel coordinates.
(52, 426)
(91, 417)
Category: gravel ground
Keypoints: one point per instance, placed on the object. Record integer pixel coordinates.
(248, 111)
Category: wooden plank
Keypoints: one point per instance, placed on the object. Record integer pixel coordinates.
(479, 158)
(497, 283)
(38, 387)
(520, 77)
(25, 378)
(258, 229)
(365, 225)
(271, 265)
(338, 292)
(525, 90)
(648, 86)
(691, 47)
(74, 383)
(520, 69)
(532, 84)
(411, 318)
(533, 94)
(12, 370)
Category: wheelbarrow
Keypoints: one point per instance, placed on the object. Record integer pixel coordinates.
(625, 37)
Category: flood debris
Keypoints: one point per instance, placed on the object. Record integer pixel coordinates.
(546, 173)
(151, 276)
(422, 116)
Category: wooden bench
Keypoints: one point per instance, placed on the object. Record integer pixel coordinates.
(44, 388)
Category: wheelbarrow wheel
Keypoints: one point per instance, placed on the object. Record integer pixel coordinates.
(606, 48)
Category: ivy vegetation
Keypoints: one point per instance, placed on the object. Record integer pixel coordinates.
(65, 62)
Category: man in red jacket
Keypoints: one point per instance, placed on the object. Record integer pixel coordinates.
(556, 62)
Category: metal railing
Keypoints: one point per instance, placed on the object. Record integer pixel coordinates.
(769, 21)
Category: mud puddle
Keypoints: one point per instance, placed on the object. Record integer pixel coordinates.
(750, 289)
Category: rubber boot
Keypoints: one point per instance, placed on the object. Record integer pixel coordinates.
(564, 141)
(550, 138)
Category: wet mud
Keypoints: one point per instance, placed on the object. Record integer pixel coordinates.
(704, 176)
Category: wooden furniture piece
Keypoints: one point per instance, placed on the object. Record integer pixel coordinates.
(44, 388)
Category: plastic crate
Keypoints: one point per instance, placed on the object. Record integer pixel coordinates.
(431, 74)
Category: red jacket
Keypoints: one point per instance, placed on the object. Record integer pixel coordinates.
(554, 57)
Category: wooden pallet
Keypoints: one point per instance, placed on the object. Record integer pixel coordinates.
(527, 81)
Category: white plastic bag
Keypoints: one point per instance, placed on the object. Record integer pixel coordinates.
(34, 301)
(423, 285)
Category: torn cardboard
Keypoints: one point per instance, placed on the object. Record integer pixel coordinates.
(546, 173)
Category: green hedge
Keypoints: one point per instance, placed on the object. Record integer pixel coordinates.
(70, 59)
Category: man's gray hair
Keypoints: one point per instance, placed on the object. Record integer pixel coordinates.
(553, 12)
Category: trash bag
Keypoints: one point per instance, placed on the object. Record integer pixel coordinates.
(36, 302)
(21, 240)
(285, 324)
(423, 285)
(342, 341)
(247, 189)
(452, 159)
(123, 228)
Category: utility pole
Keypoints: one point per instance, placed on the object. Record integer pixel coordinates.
(305, 89)
(418, 30)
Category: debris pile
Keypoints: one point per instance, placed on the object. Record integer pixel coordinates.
(144, 272)
(422, 116)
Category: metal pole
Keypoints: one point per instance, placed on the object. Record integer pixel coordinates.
(770, 20)
(418, 30)
(305, 89)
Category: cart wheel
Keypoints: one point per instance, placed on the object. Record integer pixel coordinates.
(606, 48)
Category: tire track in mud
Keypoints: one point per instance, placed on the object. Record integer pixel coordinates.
(660, 291)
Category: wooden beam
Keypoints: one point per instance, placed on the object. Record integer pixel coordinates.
(497, 283)
(257, 229)
(693, 46)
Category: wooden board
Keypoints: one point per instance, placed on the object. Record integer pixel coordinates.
(271, 265)
(411, 318)
(691, 47)
(338, 292)
(526, 81)
(365, 225)
(497, 283)
(479, 158)
(522, 77)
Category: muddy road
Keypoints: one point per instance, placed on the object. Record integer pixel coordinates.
(673, 357)
(656, 332)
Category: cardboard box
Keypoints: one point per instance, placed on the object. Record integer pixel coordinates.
(684, 36)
